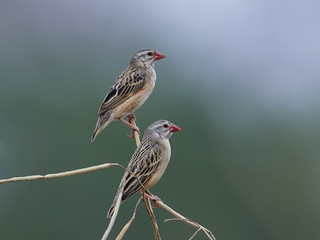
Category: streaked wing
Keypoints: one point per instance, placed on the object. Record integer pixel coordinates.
(144, 163)
(128, 83)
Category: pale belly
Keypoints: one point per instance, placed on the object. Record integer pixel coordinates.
(135, 102)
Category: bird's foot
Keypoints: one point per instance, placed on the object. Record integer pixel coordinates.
(131, 116)
(153, 198)
(134, 128)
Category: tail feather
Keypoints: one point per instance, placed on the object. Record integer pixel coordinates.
(95, 133)
(101, 124)
(113, 205)
(119, 194)
(111, 210)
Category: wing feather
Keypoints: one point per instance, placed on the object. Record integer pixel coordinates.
(128, 83)
(143, 164)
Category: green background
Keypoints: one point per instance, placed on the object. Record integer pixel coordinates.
(240, 79)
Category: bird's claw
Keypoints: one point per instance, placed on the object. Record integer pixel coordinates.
(136, 129)
(131, 116)
(153, 198)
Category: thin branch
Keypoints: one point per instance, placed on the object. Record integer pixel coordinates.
(62, 174)
(193, 235)
(113, 218)
(152, 218)
(126, 227)
(179, 217)
(172, 219)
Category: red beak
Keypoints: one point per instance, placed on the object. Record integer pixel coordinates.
(174, 128)
(158, 56)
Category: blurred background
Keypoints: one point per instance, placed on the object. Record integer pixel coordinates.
(241, 79)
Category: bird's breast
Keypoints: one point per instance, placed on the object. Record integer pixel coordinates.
(136, 101)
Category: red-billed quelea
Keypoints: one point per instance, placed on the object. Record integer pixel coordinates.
(149, 161)
(130, 91)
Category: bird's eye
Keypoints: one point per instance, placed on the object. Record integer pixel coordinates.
(165, 125)
(150, 53)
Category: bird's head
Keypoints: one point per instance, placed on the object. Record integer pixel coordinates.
(162, 129)
(145, 58)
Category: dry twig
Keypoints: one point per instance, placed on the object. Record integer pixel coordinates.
(195, 233)
(179, 217)
(113, 218)
(152, 217)
(62, 174)
(126, 227)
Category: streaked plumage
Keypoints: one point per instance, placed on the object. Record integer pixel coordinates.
(149, 161)
(130, 91)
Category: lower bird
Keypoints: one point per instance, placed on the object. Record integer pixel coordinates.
(130, 91)
(148, 163)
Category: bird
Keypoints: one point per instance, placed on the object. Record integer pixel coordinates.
(148, 163)
(130, 91)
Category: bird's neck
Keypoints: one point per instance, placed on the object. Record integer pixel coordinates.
(140, 65)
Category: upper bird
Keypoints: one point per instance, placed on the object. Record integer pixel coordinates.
(130, 90)
(148, 163)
